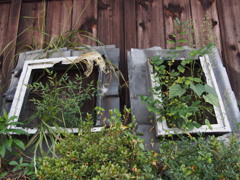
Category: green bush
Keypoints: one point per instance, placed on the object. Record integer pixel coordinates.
(113, 153)
(200, 159)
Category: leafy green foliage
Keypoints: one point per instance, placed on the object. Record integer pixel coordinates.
(181, 95)
(25, 168)
(7, 140)
(196, 158)
(61, 100)
(113, 153)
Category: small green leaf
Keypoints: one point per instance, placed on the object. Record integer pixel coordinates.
(19, 143)
(176, 90)
(197, 125)
(8, 144)
(177, 21)
(182, 40)
(19, 131)
(190, 126)
(13, 163)
(197, 80)
(2, 151)
(210, 90)
(141, 146)
(198, 89)
(211, 99)
(181, 69)
(179, 47)
(208, 124)
(184, 32)
(171, 41)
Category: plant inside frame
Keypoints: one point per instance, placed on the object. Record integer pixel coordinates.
(181, 95)
(185, 93)
(60, 100)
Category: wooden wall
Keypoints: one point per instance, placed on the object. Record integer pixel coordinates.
(125, 23)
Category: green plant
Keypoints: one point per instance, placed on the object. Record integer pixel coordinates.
(181, 95)
(61, 100)
(113, 153)
(198, 158)
(8, 139)
(25, 169)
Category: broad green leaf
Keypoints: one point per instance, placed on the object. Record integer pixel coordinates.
(2, 151)
(182, 40)
(177, 21)
(13, 163)
(19, 143)
(190, 126)
(198, 89)
(19, 131)
(2, 175)
(181, 69)
(156, 58)
(211, 99)
(210, 90)
(171, 41)
(184, 32)
(197, 80)
(8, 144)
(197, 125)
(208, 124)
(176, 90)
(141, 146)
(179, 47)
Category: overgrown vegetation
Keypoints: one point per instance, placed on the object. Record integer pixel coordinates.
(198, 158)
(113, 153)
(60, 101)
(181, 95)
(116, 152)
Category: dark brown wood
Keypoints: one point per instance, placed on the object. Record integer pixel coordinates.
(125, 23)
(228, 12)
(85, 19)
(205, 23)
(110, 22)
(150, 24)
(32, 24)
(4, 15)
(130, 41)
(11, 34)
(58, 19)
(175, 9)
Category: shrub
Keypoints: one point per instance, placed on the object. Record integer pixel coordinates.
(113, 153)
(198, 159)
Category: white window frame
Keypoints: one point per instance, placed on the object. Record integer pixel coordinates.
(21, 91)
(222, 125)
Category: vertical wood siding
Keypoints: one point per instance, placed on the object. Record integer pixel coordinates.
(125, 23)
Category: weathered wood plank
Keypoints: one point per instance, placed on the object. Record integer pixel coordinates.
(229, 14)
(31, 23)
(12, 30)
(205, 29)
(110, 22)
(84, 18)
(4, 15)
(150, 24)
(130, 41)
(130, 35)
(58, 18)
(111, 30)
(173, 9)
